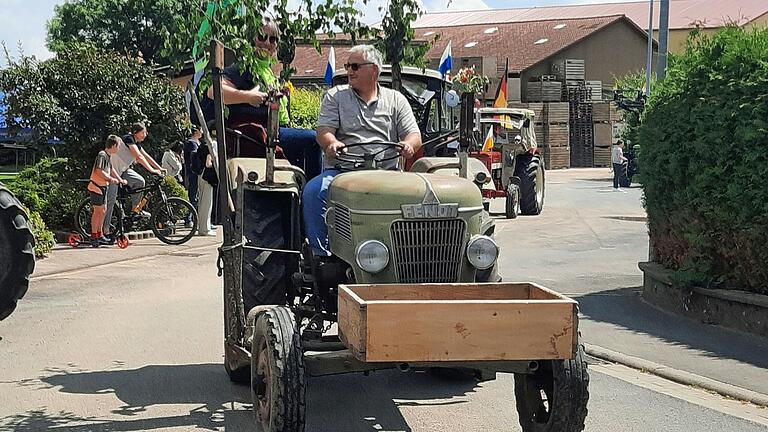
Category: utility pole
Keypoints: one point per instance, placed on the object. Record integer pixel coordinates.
(661, 66)
(649, 62)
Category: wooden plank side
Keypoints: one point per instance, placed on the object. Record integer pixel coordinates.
(467, 331)
(459, 291)
(351, 321)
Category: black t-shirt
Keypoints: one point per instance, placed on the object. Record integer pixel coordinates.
(190, 148)
(241, 81)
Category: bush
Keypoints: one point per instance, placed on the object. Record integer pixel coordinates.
(305, 107)
(44, 240)
(704, 138)
(172, 188)
(49, 188)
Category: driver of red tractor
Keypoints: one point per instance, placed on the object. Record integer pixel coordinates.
(359, 112)
(244, 93)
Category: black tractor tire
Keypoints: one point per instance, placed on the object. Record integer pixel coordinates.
(512, 202)
(264, 272)
(17, 252)
(530, 169)
(278, 383)
(566, 385)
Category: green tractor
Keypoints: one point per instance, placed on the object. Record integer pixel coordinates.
(17, 255)
(411, 284)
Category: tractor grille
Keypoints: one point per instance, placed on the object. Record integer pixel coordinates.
(342, 222)
(427, 251)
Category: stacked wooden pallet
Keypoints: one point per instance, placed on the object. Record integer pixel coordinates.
(601, 112)
(569, 69)
(603, 140)
(557, 112)
(594, 90)
(556, 157)
(581, 131)
(544, 91)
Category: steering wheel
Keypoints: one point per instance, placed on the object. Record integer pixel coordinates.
(368, 160)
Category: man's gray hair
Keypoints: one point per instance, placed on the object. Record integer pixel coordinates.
(370, 54)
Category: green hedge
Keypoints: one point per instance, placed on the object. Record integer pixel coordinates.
(49, 188)
(704, 136)
(305, 107)
(44, 239)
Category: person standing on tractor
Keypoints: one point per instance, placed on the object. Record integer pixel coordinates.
(128, 152)
(360, 112)
(619, 164)
(244, 93)
(102, 175)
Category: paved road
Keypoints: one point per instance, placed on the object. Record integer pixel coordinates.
(136, 345)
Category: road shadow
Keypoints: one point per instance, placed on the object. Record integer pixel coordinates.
(624, 307)
(339, 403)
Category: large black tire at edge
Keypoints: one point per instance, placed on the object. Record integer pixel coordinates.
(530, 169)
(277, 364)
(566, 385)
(17, 253)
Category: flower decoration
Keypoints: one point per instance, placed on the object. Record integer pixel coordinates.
(467, 80)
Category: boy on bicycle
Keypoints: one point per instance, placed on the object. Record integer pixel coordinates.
(102, 175)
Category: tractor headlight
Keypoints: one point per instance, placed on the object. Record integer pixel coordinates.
(482, 252)
(372, 256)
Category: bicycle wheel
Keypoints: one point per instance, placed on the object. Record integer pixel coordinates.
(169, 221)
(83, 218)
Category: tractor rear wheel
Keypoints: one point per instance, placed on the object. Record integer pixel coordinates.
(17, 254)
(278, 384)
(530, 170)
(554, 398)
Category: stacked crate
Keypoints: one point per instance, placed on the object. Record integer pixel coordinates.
(569, 70)
(545, 89)
(594, 91)
(603, 134)
(581, 131)
(556, 151)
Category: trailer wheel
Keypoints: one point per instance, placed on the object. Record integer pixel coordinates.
(554, 398)
(17, 254)
(530, 169)
(278, 384)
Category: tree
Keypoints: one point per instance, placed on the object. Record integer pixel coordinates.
(236, 23)
(396, 39)
(83, 94)
(137, 28)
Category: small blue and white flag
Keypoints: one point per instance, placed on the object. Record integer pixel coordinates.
(330, 67)
(446, 61)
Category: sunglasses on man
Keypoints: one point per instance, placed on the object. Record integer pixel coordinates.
(355, 66)
(263, 38)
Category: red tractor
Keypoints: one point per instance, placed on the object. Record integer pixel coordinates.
(515, 164)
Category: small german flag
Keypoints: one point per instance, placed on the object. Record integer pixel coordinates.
(500, 101)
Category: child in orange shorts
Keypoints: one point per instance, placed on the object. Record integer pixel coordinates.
(102, 175)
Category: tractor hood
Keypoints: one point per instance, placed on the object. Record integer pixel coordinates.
(389, 190)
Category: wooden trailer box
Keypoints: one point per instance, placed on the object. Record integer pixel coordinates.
(457, 322)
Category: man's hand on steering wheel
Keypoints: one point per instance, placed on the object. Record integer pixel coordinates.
(407, 150)
(256, 97)
(334, 148)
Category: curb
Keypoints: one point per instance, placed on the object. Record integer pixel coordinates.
(678, 376)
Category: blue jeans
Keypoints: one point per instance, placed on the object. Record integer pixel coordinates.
(301, 149)
(191, 189)
(315, 198)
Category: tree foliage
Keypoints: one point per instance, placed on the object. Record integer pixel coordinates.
(397, 38)
(236, 23)
(704, 136)
(84, 94)
(131, 27)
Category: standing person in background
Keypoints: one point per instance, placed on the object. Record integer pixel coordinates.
(173, 161)
(207, 182)
(191, 177)
(619, 163)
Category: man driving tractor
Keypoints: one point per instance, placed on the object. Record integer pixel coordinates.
(361, 112)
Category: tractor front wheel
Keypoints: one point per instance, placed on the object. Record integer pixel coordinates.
(278, 384)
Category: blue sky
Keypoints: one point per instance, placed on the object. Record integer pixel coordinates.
(24, 20)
